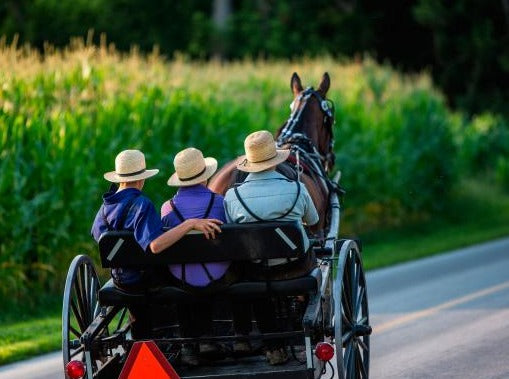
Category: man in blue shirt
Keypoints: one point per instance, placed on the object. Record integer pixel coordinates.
(266, 195)
(126, 208)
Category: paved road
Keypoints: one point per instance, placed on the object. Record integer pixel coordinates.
(440, 317)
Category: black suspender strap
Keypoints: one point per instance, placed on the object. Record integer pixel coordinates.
(211, 203)
(245, 205)
(206, 215)
(273, 219)
(182, 219)
(177, 212)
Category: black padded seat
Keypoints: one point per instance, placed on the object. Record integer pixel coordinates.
(289, 287)
(109, 294)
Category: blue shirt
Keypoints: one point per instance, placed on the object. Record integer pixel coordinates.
(142, 219)
(269, 195)
(192, 202)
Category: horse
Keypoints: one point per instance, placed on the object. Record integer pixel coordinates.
(308, 133)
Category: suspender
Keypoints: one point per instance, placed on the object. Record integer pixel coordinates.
(256, 217)
(182, 219)
(207, 211)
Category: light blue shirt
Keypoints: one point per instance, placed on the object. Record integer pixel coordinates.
(269, 195)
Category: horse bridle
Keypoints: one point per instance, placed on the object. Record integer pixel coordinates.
(288, 134)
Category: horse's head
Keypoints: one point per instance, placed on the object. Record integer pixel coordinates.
(311, 118)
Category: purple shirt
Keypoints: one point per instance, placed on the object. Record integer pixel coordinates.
(142, 219)
(192, 202)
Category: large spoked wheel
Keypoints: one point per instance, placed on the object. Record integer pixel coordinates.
(80, 308)
(351, 316)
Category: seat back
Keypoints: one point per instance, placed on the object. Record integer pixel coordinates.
(236, 242)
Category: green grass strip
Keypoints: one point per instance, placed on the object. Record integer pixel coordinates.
(478, 213)
(29, 338)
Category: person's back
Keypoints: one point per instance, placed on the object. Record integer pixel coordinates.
(266, 195)
(269, 196)
(194, 200)
(128, 209)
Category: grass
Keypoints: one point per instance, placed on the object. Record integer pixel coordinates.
(479, 212)
(483, 215)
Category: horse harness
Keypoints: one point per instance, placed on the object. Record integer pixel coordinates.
(288, 134)
(304, 152)
(182, 219)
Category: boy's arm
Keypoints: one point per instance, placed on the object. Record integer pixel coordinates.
(209, 227)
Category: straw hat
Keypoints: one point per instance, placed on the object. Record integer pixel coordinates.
(129, 167)
(261, 152)
(191, 168)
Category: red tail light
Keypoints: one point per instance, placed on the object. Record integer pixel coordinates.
(75, 369)
(324, 351)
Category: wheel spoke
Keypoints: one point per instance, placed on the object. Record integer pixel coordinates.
(354, 282)
(77, 315)
(359, 364)
(74, 331)
(362, 344)
(121, 320)
(350, 363)
(346, 304)
(83, 283)
(81, 301)
(93, 297)
(77, 351)
(346, 321)
(358, 302)
(346, 337)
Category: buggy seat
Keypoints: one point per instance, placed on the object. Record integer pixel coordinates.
(236, 242)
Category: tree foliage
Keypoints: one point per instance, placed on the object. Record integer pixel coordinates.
(465, 43)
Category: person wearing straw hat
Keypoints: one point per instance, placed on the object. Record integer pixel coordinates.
(267, 195)
(194, 200)
(125, 207)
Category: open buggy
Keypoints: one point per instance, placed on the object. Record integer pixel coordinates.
(96, 326)
(322, 316)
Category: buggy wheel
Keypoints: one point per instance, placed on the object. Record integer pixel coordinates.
(351, 316)
(80, 308)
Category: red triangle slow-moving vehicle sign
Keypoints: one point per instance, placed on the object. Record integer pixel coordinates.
(145, 360)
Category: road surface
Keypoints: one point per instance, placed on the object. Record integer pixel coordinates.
(441, 317)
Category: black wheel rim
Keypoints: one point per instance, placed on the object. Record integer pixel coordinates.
(80, 306)
(351, 317)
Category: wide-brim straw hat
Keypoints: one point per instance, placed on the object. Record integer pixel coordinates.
(191, 168)
(129, 167)
(261, 153)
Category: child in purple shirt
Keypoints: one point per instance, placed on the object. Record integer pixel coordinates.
(194, 199)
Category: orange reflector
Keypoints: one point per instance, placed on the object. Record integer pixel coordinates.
(145, 360)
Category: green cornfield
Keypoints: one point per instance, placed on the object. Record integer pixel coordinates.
(64, 115)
